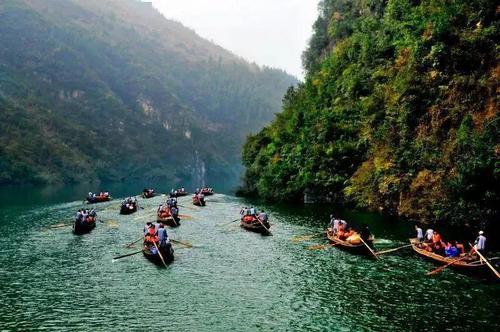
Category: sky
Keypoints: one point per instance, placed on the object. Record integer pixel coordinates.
(273, 33)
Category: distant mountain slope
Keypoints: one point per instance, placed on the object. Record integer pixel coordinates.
(399, 113)
(93, 89)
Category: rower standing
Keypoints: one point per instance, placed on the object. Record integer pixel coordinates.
(420, 234)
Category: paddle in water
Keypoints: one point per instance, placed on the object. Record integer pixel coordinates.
(127, 255)
(441, 268)
(187, 245)
(159, 254)
(486, 261)
(131, 244)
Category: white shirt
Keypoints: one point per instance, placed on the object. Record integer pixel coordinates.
(480, 242)
(429, 233)
(420, 235)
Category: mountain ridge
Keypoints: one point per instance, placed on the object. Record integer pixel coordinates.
(121, 86)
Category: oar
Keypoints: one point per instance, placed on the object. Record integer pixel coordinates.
(187, 245)
(60, 225)
(159, 253)
(441, 268)
(486, 261)
(229, 223)
(391, 250)
(122, 256)
(130, 244)
(373, 253)
(267, 229)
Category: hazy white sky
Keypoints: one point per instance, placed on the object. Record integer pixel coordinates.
(268, 32)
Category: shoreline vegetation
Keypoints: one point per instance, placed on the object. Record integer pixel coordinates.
(398, 114)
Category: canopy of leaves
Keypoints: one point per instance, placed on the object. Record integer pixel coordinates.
(399, 112)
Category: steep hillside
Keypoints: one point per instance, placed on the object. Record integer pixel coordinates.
(399, 112)
(93, 89)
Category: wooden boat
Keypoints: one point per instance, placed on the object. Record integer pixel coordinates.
(148, 193)
(467, 265)
(256, 226)
(83, 227)
(179, 193)
(207, 191)
(98, 199)
(151, 254)
(131, 208)
(169, 221)
(359, 249)
(198, 202)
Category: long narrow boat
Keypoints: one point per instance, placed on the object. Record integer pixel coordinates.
(152, 255)
(83, 227)
(467, 266)
(128, 208)
(148, 193)
(358, 249)
(98, 199)
(256, 226)
(179, 193)
(207, 191)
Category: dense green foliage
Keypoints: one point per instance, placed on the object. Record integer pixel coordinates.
(108, 89)
(399, 112)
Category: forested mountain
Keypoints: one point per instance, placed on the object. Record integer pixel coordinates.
(399, 112)
(110, 89)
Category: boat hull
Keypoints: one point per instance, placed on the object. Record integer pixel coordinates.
(169, 221)
(357, 249)
(167, 253)
(128, 210)
(255, 226)
(83, 227)
(466, 267)
(97, 199)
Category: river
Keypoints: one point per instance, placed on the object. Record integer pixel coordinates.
(231, 280)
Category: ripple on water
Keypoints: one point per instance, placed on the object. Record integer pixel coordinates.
(231, 279)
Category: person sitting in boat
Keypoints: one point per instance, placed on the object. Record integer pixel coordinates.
(242, 211)
(79, 215)
(451, 250)
(263, 216)
(162, 236)
(479, 244)
(437, 243)
(420, 234)
(150, 239)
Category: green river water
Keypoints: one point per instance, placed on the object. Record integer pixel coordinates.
(232, 280)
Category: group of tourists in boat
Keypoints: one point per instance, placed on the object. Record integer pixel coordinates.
(432, 242)
(342, 235)
(430, 245)
(206, 191)
(129, 205)
(148, 193)
(84, 221)
(178, 192)
(168, 213)
(199, 198)
(156, 245)
(101, 197)
(255, 221)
